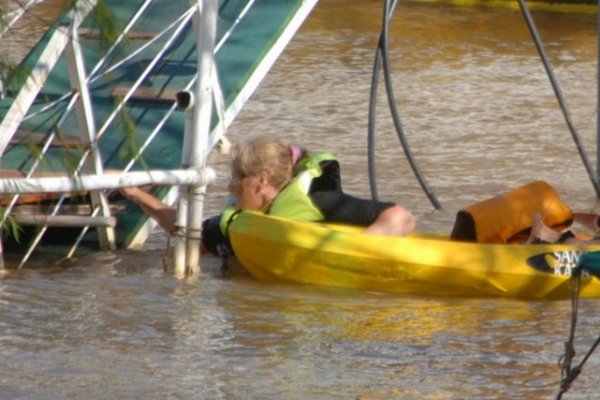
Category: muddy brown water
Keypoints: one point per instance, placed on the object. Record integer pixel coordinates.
(480, 116)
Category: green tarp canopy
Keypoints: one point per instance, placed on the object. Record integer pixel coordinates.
(590, 262)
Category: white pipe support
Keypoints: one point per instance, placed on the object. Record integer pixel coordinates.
(205, 24)
(184, 101)
(107, 181)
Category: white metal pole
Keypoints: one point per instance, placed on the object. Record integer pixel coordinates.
(185, 101)
(61, 184)
(87, 132)
(206, 29)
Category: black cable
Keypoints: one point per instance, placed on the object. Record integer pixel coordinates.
(371, 125)
(568, 373)
(558, 94)
(373, 104)
(383, 55)
(598, 88)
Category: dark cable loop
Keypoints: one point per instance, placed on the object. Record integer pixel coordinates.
(559, 96)
(569, 374)
(383, 54)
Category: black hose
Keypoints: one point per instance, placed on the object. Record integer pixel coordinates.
(559, 96)
(597, 90)
(371, 126)
(383, 55)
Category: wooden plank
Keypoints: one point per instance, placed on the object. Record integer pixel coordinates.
(146, 94)
(65, 221)
(38, 139)
(87, 33)
(66, 209)
(70, 209)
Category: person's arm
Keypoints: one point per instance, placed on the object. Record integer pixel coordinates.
(588, 220)
(163, 214)
(378, 218)
(394, 221)
(166, 216)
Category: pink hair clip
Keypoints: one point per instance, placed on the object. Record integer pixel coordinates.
(295, 152)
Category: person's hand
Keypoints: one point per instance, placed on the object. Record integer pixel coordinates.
(164, 215)
(130, 193)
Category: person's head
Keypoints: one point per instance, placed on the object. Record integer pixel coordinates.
(260, 168)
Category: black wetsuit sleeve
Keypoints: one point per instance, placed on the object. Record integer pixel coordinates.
(344, 208)
(213, 239)
(336, 206)
(330, 179)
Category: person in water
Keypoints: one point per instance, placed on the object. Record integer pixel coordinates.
(287, 181)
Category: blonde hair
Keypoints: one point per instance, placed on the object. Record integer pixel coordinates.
(262, 153)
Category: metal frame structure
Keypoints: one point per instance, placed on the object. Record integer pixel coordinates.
(193, 176)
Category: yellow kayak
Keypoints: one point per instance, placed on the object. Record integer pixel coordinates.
(275, 249)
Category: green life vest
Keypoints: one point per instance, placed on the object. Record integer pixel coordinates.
(293, 200)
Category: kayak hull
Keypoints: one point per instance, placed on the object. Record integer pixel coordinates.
(274, 249)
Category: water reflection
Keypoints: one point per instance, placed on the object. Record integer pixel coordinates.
(481, 117)
(121, 320)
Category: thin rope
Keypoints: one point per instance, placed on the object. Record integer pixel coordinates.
(567, 372)
(167, 256)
